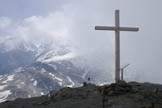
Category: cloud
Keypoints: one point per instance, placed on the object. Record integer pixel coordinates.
(72, 24)
(61, 27)
(4, 22)
(35, 30)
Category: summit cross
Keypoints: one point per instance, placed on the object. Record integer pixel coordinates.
(117, 30)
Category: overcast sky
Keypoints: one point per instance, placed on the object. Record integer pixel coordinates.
(73, 21)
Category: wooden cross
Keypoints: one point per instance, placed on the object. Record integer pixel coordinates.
(117, 30)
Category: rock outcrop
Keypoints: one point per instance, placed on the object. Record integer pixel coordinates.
(120, 95)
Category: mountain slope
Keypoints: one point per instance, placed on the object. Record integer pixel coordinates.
(38, 79)
(30, 69)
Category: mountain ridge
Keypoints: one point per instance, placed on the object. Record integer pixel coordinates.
(115, 95)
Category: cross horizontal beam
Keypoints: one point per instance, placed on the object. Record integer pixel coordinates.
(117, 28)
(104, 28)
(128, 28)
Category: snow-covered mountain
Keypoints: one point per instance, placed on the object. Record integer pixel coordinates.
(38, 79)
(34, 69)
(30, 70)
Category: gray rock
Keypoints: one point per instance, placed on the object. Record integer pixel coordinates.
(120, 95)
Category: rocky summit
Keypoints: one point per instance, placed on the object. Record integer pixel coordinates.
(117, 95)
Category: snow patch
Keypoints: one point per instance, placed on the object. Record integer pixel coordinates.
(72, 83)
(103, 83)
(54, 77)
(29, 96)
(32, 79)
(43, 70)
(2, 87)
(60, 58)
(57, 78)
(54, 66)
(60, 83)
(19, 69)
(42, 93)
(35, 83)
(22, 83)
(1, 77)
(9, 78)
(84, 75)
(4, 95)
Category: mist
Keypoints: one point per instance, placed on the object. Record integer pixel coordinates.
(72, 24)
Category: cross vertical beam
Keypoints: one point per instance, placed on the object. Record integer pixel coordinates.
(117, 47)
